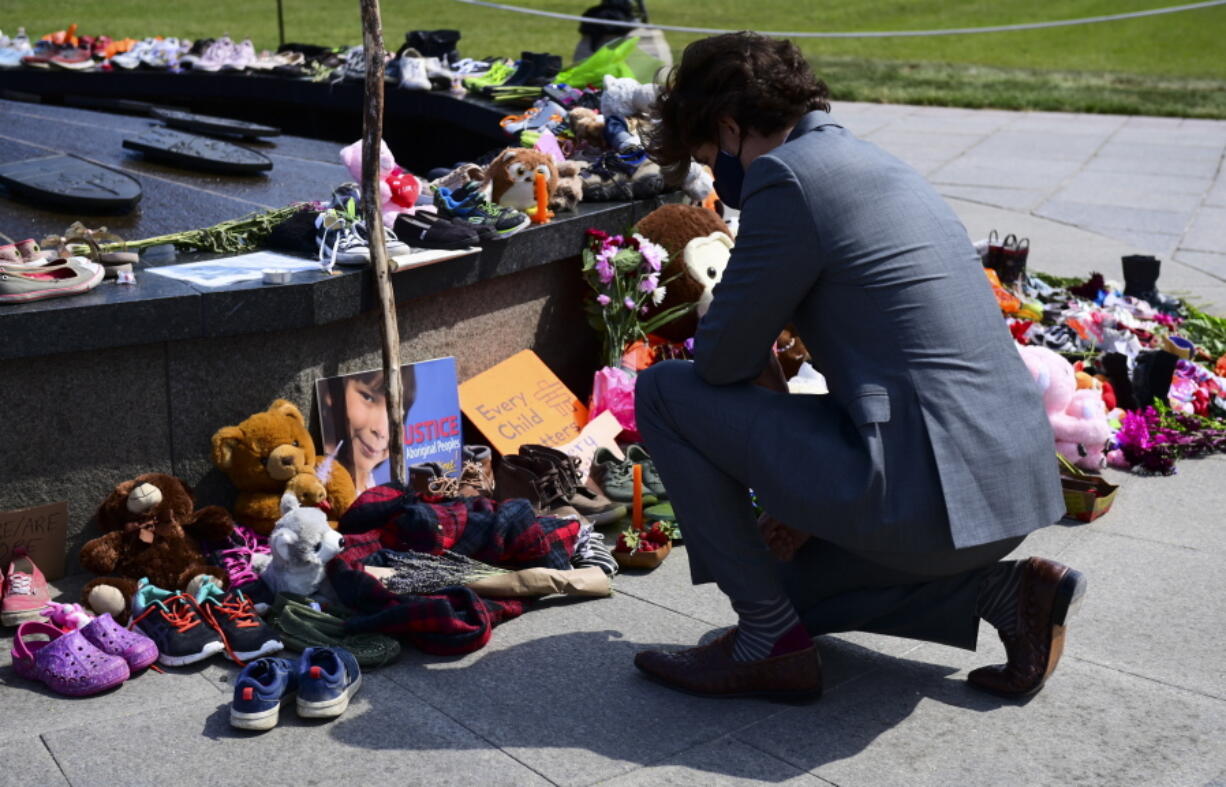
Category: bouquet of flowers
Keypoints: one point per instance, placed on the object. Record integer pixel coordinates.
(625, 274)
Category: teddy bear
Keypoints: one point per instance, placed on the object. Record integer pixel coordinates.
(699, 244)
(270, 452)
(151, 528)
(301, 545)
(1078, 416)
(569, 193)
(587, 125)
(511, 177)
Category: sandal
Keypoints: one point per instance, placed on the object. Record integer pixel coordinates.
(67, 664)
(113, 262)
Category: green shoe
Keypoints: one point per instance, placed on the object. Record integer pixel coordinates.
(637, 455)
(662, 512)
(616, 478)
(499, 72)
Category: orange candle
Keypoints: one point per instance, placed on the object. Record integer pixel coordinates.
(541, 213)
(637, 511)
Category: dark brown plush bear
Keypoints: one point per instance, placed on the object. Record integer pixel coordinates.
(698, 243)
(152, 529)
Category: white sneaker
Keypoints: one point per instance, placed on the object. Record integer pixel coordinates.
(339, 242)
(436, 70)
(242, 58)
(468, 67)
(133, 57)
(414, 73)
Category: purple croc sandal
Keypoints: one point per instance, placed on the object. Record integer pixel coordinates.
(132, 646)
(68, 664)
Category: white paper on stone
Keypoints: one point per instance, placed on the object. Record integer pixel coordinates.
(231, 270)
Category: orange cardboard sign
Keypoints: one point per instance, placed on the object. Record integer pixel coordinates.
(520, 401)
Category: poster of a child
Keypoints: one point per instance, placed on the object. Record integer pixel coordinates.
(353, 415)
(353, 408)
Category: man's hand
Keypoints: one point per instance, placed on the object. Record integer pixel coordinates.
(783, 541)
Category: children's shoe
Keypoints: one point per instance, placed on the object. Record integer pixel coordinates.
(66, 663)
(174, 622)
(428, 231)
(258, 692)
(233, 615)
(25, 590)
(137, 650)
(470, 205)
(498, 72)
(327, 679)
(413, 71)
(616, 477)
(637, 455)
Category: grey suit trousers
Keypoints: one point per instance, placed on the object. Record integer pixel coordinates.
(712, 444)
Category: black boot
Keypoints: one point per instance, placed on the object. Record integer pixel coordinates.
(1141, 281)
(1151, 377)
(1115, 366)
(434, 43)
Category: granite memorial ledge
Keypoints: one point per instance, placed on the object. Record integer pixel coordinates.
(160, 309)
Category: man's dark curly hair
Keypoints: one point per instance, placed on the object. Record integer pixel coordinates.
(763, 83)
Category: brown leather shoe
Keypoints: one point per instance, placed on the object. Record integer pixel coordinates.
(1047, 596)
(710, 671)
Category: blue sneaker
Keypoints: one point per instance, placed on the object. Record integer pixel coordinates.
(258, 692)
(468, 204)
(327, 678)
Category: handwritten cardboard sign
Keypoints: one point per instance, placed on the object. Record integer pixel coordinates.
(42, 530)
(520, 401)
(600, 432)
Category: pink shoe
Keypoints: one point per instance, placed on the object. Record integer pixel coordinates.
(132, 646)
(67, 664)
(25, 590)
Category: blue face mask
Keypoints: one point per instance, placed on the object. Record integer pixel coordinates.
(729, 177)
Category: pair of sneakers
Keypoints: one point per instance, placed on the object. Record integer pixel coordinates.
(192, 626)
(323, 681)
(342, 235)
(616, 476)
(78, 662)
(24, 590)
(423, 73)
(468, 204)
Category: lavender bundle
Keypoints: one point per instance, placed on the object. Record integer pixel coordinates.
(421, 572)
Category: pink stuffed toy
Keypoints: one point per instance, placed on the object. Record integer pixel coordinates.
(66, 617)
(1078, 417)
(398, 188)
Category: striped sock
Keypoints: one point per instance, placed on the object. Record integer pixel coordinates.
(998, 596)
(762, 626)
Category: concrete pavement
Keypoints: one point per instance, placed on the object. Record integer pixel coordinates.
(1140, 697)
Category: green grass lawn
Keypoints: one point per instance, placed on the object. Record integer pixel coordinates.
(1171, 64)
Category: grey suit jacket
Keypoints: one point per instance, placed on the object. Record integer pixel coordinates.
(881, 281)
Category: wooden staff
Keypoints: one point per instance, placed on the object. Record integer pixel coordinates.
(372, 135)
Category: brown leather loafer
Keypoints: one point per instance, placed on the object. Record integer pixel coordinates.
(710, 671)
(1047, 596)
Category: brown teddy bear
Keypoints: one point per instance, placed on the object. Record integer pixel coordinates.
(271, 452)
(152, 529)
(699, 245)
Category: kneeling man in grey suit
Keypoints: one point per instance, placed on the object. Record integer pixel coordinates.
(892, 499)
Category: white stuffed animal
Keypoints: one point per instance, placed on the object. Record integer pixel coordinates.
(626, 97)
(302, 543)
